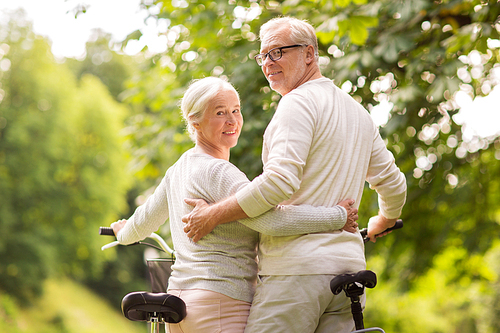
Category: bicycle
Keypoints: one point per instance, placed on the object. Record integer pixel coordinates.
(156, 307)
(354, 286)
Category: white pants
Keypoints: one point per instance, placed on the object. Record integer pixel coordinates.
(210, 312)
(301, 304)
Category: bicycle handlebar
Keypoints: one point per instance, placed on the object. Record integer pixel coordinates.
(364, 231)
(107, 231)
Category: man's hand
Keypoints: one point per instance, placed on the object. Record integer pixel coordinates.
(204, 217)
(198, 222)
(352, 215)
(377, 225)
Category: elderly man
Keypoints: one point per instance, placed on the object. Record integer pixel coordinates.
(320, 147)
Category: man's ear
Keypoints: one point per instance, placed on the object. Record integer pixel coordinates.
(309, 54)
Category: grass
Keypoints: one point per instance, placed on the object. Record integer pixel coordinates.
(67, 307)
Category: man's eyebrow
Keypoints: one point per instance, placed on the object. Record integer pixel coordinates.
(274, 46)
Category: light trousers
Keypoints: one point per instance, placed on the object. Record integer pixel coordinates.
(210, 312)
(299, 304)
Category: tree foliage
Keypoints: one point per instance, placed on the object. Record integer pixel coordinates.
(415, 57)
(100, 60)
(62, 168)
(412, 55)
(62, 164)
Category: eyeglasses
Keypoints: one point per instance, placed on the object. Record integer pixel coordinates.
(274, 54)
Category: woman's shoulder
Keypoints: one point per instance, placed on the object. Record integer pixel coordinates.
(203, 165)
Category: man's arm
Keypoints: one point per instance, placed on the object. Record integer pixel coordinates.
(280, 179)
(204, 217)
(390, 184)
(280, 221)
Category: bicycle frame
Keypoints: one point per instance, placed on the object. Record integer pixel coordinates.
(155, 307)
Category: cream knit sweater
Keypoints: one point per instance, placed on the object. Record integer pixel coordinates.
(319, 148)
(224, 261)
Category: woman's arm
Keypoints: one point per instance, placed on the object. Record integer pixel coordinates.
(146, 219)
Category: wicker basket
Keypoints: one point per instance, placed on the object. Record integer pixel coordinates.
(159, 272)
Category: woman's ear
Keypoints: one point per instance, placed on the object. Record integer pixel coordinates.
(196, 125)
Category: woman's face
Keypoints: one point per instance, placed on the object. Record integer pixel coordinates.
(220, 126)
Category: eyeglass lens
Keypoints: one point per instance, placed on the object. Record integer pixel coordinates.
(274, 54)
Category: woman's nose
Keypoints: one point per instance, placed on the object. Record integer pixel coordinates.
(231, 119)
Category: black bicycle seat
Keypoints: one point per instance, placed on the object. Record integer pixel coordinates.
(138, 306)
(366, 278)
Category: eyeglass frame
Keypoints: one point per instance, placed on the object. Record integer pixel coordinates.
(268, 54)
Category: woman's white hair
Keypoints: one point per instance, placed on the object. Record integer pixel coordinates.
(198, 96)
(301, 31)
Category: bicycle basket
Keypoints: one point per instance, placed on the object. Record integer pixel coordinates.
(159, 272)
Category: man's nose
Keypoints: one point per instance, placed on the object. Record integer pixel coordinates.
(267, 61)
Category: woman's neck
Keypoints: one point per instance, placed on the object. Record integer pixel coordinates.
(212, 150)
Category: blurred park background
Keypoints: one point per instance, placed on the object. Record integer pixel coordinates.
(84, 138)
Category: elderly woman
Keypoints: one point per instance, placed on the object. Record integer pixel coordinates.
(216, 276)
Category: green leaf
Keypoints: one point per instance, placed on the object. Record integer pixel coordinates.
(357, 28)
(342, 3)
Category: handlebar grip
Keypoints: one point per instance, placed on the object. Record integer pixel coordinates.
(398, 225)
(106, 231)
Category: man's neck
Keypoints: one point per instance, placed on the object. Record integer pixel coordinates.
(312, 73)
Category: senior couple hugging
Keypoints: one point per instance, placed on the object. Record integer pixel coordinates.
(298, 217)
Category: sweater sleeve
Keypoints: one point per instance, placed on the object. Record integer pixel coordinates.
(387, 180)
(291, 220)
(288, 140)
(283, 220)
(147, 218)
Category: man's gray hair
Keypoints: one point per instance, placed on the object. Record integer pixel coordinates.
(301, 31)
(198, 96)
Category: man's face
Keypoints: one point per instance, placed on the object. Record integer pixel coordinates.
(284, 74)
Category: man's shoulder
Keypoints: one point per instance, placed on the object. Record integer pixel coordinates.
(309, 91)
(314, 85)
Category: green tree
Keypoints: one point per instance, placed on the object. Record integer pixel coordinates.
(412, 55)
(417, 57)
(62, 166)
(102, 61)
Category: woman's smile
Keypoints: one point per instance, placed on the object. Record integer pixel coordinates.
(219, 129)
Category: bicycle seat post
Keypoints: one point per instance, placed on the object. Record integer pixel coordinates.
(354, 291)
(155, 323)
(354, 287)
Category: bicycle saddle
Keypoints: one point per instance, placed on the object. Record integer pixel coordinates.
(366, 278)
(140, 305)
